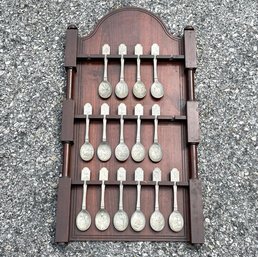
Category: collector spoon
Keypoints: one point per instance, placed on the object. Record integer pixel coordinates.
(138, 220)
(138, 151)
(105, 88)
(102, 218)
(139, 89)
(83, 219)
(87, 150)
(122, 150)
(176, 221)
(121, 89)
(121, 218)
(157, 220)
(157, 90)
(155, 151)
(104, 150)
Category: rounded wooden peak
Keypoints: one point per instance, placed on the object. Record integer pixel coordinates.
(130, 9)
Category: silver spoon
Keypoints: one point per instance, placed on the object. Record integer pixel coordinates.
(87, 150)
(157, 220)
(83, 219)
(102, 218)
(105, 88)
(138, 220)
(157, 90)
(138, 151)
(176, 221)
(155, 151)
(104, 150)
(139, 89)
(121, 218)
(122, 150)
(121, 89)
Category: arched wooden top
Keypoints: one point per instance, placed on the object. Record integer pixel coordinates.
(130, 25)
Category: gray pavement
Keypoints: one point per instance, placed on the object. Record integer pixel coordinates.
(32, 83)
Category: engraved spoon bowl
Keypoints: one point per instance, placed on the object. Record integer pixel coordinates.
(83, 220)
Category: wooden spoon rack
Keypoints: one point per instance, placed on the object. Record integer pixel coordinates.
(178, 127)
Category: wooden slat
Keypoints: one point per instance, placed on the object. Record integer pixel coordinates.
(196, 211)
(193, 131)
(67, 121)
(92, 57)
(133, 117)
(63, 210)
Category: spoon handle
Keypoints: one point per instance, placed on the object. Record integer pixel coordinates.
(102, 202)
(156, 129)
(122, 68)
(138, 68)
(105, 68)
(87, 129)
(155, 68)
(121, 196)
(121, 129)
(84, 195)
(104, 136)
(175, 196)
(156, 196)
(138, 136)
(138, 203)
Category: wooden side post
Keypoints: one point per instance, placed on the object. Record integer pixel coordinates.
(64, 188)
(195, 192)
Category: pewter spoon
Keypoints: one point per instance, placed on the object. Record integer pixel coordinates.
(102, 218)
(121, 89)
(105, 88)
(87, 150)
(176, 221)
(121, 218)
(157, 220)
(122, 150)
(104, 150)
(139, 89)
(157, 90)
(138, 151)
(83, 219)
(138, 220)
(155, 151)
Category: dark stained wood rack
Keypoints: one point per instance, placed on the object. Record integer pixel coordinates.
(178, 127)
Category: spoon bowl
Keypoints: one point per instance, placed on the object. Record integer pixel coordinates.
(87, 151)
(139, 89)
(104, 151)
(102, 220)
(138, 221)
(121, 220)
(122, 152)
(121, 89)
(105, 89)
(157, 90)
(157, 221)
(138, 152)
(176, 221)
(83, 220)
(155, 152)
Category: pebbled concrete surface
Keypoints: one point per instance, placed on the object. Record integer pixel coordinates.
(32, 82)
